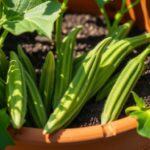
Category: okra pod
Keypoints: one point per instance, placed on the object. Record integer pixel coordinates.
(112, 58)
(119, 34)
(122, 30)
(47, 81)
(26, 63)
(35, 103)
(64, 65)
(107, 88)
(78, 91)
(123, 86)
(16, 92)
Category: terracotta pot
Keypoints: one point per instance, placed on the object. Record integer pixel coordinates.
(140, 13)
(117, 135)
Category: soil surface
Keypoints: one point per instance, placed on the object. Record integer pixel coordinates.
(93, 32)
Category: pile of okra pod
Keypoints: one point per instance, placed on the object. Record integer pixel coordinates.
(67, 83)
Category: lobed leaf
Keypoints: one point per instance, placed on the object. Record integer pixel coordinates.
(5, 138)
(139, 101)
(27, 16)
(142, 114)
(143, 118)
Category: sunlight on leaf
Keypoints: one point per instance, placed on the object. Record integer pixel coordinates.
(143, 118)
(24, 16)
(142, 114)
(139, 101)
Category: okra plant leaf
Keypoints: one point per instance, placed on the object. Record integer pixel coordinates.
(139, 101)
(5, 138)
(21, 5)
(102, 2)
(142, 114)
(143, 118)
(27, 16)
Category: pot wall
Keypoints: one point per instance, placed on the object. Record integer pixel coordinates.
(118, 135)
(129, 140)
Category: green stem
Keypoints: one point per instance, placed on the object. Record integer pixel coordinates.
(132, 5)
(145, 53)
(58, 33)
(118, 16)
(1, 9)
(131, 109)
(59, 25)
(121, 13)
(3, 37)
(104, 13)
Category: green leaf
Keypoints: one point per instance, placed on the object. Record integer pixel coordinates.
(142, 114)
(4, 118)
(21, 5)
(28, 16)
(143, 118)
(139, 101)
(5, 138)
(102, 2)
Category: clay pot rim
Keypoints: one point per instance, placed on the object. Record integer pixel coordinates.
(75, 135)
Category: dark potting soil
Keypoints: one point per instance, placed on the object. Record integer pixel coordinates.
(93, 32)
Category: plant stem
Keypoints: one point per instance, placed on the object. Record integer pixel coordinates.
(104, 13)
(3, 37)
(58, 33)
(59, 25)
(118, 16)
(145, 53)
(132, 108)
(132, 5)
(121, 13)
(1, 9)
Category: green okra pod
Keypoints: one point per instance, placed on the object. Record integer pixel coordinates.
(47, 81)
(119, 34)
(64, 65)
(77, 93)
(26, 63)
(16, 92)
(35, 103)
(112, 58)
(123, 86)
(107, 87)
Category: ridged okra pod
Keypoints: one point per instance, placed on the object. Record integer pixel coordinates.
(107, 88)
(35, 103)
(64, 65)
(47, 81)
(78, 91)
(16, 92)
(112, 58)
(123, 86)
(26, 63)
(119, 34)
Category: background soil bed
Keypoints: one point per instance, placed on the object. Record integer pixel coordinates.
(93, 31)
